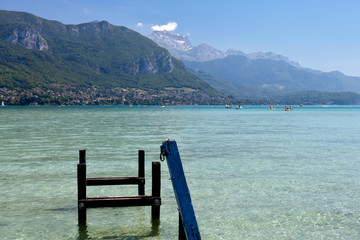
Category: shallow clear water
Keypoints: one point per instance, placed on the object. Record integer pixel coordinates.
(253, 173)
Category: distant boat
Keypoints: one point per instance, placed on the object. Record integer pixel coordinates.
(228, 106)
(239, 107)
(2, 103)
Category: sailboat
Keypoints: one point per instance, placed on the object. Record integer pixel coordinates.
(2, 103)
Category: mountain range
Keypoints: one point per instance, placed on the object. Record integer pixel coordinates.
(47, 62)
(252, 75)
(40, 56)
(180, 46)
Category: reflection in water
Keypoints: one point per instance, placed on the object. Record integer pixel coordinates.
(83, 232)
(155, 227)
(155, 231)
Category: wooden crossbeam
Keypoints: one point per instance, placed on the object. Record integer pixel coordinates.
(115, 181)
(121, 201)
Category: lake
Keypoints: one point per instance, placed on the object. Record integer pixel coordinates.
(253, 173)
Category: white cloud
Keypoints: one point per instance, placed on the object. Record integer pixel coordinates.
(139, 24)
(171, 26)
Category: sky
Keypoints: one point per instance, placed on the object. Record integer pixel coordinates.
(320, 34)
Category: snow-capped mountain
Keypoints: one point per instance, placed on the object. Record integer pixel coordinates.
(174, 41)
(181, 47)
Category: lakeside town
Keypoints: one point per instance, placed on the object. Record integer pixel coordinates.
(57, 94)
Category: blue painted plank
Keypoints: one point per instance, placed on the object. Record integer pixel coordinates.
(182, 193)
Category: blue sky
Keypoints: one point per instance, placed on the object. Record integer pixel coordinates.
(321, 34)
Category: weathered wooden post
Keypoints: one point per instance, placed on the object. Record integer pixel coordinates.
(156, 190)
(81, 180)
(141, 174)
(170, 150)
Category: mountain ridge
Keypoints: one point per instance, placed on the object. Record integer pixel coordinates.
(174, 42)
(271, 73)
(46, 62)
(40, 53)
(277, 77)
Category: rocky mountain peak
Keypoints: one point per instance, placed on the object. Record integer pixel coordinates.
(174, 42)
(180, 46)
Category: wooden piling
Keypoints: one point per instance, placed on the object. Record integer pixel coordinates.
(81, 180)
(82, 156)
(156, 190)
(141, 173)
(85, 202)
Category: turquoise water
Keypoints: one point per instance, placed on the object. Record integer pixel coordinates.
(253, 173)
